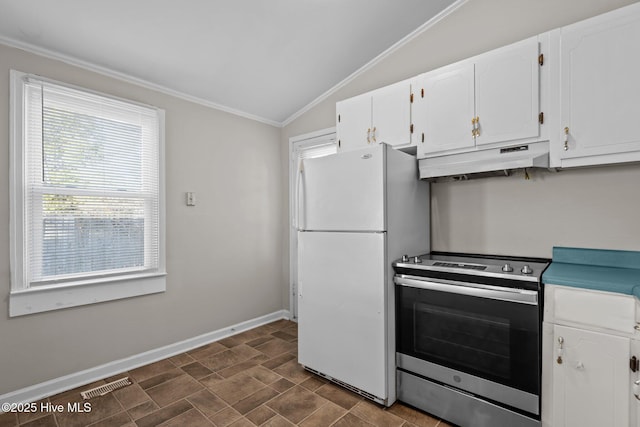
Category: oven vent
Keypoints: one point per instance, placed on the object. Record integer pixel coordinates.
(106, 388)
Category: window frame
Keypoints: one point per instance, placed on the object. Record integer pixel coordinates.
(24, 299)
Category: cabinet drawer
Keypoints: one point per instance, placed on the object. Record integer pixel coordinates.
(604, 310)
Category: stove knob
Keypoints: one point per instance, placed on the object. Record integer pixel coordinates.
(507, 268)
(526, 269)
(417, 259)
(405, 258)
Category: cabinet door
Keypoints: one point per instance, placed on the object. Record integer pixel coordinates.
(443, 107)
(635, 388)
(353, 122)
(392, 114)
(600, 88)
(507, 93)
(591, 385)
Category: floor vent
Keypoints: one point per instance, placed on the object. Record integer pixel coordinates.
(104, 389)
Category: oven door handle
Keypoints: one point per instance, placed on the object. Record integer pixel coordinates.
(521, 296)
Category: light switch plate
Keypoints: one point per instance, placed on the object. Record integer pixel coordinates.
(191, 198)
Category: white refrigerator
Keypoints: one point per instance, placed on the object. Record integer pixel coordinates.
(356, 212)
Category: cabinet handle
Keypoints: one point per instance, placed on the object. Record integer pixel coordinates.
(566, 138)
(636, 389)
(373, 134)
(560, 350)
(475, 123)
(368, 135)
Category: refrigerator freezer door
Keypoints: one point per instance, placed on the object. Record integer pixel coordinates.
(341, 307)
(344, 191)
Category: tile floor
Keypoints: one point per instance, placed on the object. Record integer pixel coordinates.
(250, 379)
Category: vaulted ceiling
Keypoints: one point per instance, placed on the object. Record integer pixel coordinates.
(264, 59)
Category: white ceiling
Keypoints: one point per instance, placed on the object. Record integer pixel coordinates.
(264, 59)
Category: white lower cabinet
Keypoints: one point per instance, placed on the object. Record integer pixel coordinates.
(587, 366)
(635, 386)
(590, 378)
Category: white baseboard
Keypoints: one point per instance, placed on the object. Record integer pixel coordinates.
(71, 381)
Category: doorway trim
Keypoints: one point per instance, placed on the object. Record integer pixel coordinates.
(306, 141)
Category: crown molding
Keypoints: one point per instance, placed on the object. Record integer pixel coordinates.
(47, 53)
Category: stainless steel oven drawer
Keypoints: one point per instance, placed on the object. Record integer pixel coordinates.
(456, 407)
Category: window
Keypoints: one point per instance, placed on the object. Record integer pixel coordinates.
(86, 196)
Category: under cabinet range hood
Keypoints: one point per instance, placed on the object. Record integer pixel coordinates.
(483, 162)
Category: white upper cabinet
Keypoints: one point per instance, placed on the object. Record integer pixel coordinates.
(599, 90)
(507, 93)
(576, 87)
(383, 115)
(353, 122)
(443, 107)
(391, 114)
(492, 99)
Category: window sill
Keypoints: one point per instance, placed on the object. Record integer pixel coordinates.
(40, 299)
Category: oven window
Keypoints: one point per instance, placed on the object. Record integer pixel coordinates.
(477, 341)
(492, 339)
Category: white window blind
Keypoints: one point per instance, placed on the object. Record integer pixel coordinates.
(91, 193)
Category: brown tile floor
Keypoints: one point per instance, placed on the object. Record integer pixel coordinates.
(250, 379)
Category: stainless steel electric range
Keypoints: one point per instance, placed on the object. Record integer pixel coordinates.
(468, 337)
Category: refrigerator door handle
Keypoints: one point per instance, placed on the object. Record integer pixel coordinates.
(299, 278)
(300, 211)
(296, 198)
(297, 201)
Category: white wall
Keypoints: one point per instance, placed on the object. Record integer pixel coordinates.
(223, 256)
(590, 207)
(594, 207)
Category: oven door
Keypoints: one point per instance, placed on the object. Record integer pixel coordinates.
(480, 338)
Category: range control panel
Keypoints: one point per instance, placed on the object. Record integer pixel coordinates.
(507, 267)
